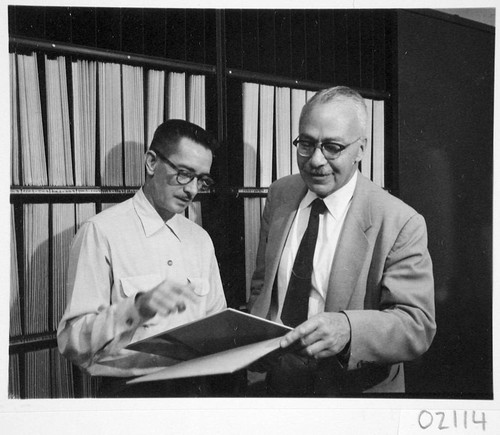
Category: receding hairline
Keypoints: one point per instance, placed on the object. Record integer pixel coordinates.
(338, 94)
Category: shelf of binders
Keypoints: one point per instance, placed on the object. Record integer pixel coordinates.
(83, 119)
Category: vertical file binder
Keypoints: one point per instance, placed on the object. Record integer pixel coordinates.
(15, 328)
(36, 272)
(298, 101)
(133, 124)
(251, 206)
(14, 125)
(34, 166)
(60, 166)
(196, 115)
(283, 139)
(155, 102)
(84, 91)
(63, 231)
(110, 124)
(37, 381)
(14, 377)
(378, 176)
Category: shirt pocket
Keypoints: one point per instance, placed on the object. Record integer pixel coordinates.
(131, 285)
(201, 286)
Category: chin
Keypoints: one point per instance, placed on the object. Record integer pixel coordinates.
(322, 189)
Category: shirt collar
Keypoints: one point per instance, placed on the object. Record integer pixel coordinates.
(337, 201)
(150, 219)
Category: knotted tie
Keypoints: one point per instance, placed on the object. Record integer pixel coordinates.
(296, 302)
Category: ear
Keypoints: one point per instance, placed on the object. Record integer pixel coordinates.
(151, 160)
(361, 150)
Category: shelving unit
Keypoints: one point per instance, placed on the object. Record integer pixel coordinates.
(228, 47)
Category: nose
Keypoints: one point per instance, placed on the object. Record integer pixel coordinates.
(192, 187)
(318, 158)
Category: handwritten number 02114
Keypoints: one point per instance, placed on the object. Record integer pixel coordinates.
(451, 419)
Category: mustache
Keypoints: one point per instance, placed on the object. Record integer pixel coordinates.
(313, 172)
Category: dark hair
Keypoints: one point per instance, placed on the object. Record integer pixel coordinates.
(172, 131)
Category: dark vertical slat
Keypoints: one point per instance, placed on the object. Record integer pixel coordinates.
(176, 34)
(367, 49)
(235, 133)
(313, 53)
(298, 44)
(108, 22)
(327, 49)
(43, 101)
(341, 52)
(379, 29)
(250, 40)
(195, 35)
(210, 37)
(283, 43)
(212, 117)
(353, 48)
(132, 30)
(58, 24)
(267, 48)
(230, 235)
(221, 97)
(391, 105)
(83, 26)
(154, 32)
(233, 38)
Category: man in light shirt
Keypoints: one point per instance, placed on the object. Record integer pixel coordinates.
(141, 267)
(350, 271)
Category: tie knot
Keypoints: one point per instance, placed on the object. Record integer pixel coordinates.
(318, 206)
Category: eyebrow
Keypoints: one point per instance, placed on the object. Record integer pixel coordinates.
(328, 139)
(188, 169)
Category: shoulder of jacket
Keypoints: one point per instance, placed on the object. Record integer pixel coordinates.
(288, 183)
(382, 202)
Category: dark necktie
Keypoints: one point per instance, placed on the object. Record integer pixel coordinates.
(296, 302)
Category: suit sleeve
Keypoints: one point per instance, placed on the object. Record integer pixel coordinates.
(404, 326)
(257, 282)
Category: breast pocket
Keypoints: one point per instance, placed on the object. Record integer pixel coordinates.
(131, 285)
(201, 286)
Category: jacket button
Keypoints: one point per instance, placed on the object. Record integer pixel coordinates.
(170, 262)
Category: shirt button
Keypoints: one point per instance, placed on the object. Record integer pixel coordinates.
(170, 262)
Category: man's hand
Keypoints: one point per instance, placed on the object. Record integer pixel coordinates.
(166, 298)
(321, 336)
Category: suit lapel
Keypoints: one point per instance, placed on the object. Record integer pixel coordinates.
(351, 251)
(280, 227)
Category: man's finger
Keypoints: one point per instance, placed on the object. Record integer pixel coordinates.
(299, 332)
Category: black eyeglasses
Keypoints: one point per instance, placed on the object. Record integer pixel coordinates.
(331, 150)
(183, 177)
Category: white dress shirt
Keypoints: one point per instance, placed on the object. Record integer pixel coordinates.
(330, 225)
(124, 250)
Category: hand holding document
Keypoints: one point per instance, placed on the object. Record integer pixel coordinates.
(221, 343)
(166, 298)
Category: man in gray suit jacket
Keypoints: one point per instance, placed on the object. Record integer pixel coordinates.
(369, 293)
